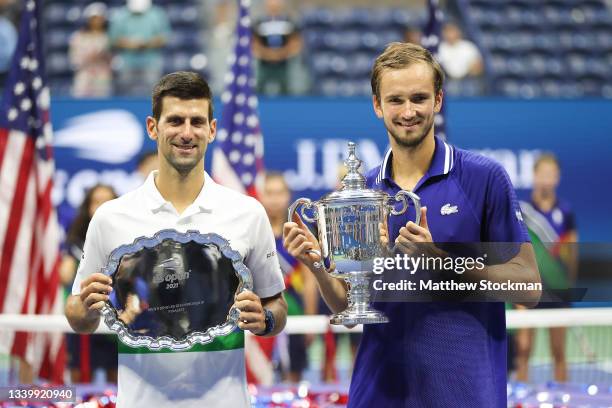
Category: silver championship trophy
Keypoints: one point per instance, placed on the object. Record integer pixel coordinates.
(174, 290)
(348, 231)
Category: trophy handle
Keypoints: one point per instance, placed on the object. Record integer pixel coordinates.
(306, 203)
(403, 196)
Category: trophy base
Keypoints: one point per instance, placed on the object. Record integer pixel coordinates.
(347, 318)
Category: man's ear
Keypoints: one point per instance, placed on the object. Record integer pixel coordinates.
(377, 107)
(213, 130)
(152, 128)
(438, 101)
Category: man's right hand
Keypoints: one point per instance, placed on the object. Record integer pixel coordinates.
(95, 292)
(300, 242)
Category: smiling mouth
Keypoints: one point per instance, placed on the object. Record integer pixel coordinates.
(185, 148)
(408, 125)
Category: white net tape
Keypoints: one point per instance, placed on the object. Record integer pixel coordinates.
(320, 323)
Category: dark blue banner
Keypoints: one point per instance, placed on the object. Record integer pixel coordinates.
(100, 141)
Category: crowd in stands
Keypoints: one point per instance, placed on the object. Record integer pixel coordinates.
(119, 47)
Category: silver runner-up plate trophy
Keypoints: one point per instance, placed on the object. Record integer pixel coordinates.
(174, 290)
(348, 233)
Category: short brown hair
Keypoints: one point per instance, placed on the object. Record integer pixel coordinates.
(398, 55)
(274, 174)
(182, 85)
(546, 157)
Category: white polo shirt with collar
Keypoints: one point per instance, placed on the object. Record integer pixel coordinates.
(210, 375)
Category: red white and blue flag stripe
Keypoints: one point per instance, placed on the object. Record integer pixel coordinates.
(29, 231)
(238, 161)
(238, 156)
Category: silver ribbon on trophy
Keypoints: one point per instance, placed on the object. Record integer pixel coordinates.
(174, 290)
(348, 232)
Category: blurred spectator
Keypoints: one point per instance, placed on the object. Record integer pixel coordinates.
(86, 352)
(552, 228)
(139, 32)
(276, 41)
(90, 55)
(301, 293)
(460, 58)
(147, 162)
(413, 35)
(219, 49)
(8, 39)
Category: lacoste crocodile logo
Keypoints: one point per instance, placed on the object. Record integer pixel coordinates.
(448, 209)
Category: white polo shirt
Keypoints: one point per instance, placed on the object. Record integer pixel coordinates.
(458, 58)
(210, 375)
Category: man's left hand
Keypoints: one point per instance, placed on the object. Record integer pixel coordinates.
(252, 316)
(415, 239)
(413, 233)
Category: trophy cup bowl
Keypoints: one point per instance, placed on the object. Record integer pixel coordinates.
(348, 233)
(174, 290)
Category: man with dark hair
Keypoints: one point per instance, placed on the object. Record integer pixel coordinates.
(181, 196)
(183, 85)
(431, 354)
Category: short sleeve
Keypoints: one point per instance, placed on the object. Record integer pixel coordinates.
(76, 50)
(93, 258)
(295, 25)
(164, 24)
(503, 217)
(115, 30)
(473, 51)
(262, 260)
(256, 29)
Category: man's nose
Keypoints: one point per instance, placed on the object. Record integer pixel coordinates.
(408, 110)
(187, 129)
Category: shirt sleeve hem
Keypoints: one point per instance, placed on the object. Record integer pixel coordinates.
(270, 290)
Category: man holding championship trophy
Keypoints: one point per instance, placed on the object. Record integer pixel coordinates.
(181, 196)
(431, 354)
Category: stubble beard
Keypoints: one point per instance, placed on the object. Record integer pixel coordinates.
(182, 168)
(411, 143)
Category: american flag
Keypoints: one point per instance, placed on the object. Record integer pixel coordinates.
(431, 40)
(29, 231)
(238, 156)
(238, 161)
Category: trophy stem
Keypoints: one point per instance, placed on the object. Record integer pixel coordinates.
(359, 310)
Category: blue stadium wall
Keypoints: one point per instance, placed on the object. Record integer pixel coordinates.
(100, 141)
